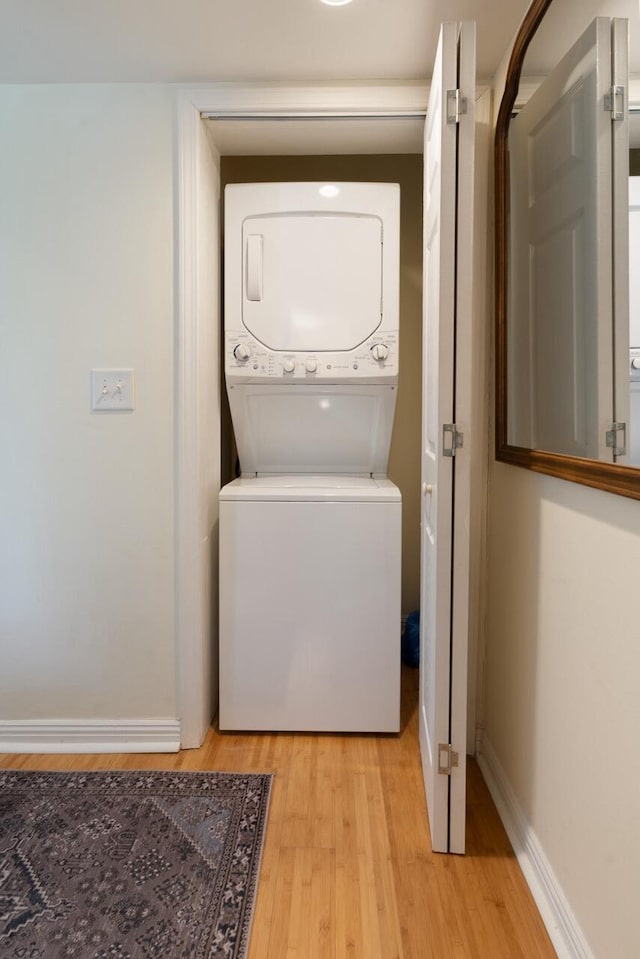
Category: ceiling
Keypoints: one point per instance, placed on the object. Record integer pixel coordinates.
(185, 41)
(194, 41)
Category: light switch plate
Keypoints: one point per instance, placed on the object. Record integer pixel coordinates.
(112, 391)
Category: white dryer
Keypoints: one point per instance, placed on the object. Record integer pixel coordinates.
(310, 532)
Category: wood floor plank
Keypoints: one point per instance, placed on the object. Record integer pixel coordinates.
(347, 869)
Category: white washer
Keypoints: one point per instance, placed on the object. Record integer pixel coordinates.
(310, 604)
(310, 534)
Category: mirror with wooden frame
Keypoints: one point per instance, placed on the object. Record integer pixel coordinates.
(567, 316)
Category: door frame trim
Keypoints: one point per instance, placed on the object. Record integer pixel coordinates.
(239, 100)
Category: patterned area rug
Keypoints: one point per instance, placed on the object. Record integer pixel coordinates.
(129, 865)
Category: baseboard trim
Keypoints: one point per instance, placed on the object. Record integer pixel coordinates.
(563, 928)
(90, 736)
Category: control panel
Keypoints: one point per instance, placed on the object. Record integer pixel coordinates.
(249, 361)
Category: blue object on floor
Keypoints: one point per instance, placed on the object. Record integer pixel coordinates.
(410, 646)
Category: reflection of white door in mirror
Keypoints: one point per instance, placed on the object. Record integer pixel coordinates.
(634, 321)
(561, 297)
(548, 30)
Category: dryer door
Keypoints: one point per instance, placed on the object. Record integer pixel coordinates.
(312, 281)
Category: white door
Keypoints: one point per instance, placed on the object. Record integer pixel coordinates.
(448, 225)
(562, 270)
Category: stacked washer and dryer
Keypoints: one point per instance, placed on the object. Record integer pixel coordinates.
(310, 532)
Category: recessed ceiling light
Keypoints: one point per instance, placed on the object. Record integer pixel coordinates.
(329, 190)
(336, 3)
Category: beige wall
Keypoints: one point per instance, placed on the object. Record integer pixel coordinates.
(561, 699)
(404, 461)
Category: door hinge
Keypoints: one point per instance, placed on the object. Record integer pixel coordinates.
(614, 102)
(449, 429)
(619, 447)
(456, 106)
(447, 759)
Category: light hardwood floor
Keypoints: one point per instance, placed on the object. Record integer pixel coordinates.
(347, 870)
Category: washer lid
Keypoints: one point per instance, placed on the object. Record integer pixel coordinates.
(312, 281)
(311, 488)
(312, 429)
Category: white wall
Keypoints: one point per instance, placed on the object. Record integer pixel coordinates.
(86, 522)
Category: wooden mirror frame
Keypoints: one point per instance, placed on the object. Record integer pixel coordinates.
(624, 480)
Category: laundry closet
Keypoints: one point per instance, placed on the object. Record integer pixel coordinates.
(310, 581)
(438, 443)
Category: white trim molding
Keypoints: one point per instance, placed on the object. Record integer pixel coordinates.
(563, 928)
(188, 640)
(309, 100)
(90, 736)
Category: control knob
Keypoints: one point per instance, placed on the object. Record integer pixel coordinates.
(311, 366)
(241, 352)
(289, 366)
(380, 352)
(635, 363)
